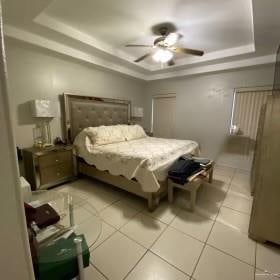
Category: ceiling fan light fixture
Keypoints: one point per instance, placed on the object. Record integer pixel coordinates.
(162, 56)
(171, 39)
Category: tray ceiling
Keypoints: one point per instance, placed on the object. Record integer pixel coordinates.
(98, 30)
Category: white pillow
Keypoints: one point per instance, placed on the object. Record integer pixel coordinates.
(103, 135)
(131, 132)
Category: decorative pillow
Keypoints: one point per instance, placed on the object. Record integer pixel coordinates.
(131, 132)
(103, 135)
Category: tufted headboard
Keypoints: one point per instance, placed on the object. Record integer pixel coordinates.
(85, 111)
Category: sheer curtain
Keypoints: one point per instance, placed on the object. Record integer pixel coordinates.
(246, 112)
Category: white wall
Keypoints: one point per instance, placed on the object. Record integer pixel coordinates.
(37, 73)
(203, 107)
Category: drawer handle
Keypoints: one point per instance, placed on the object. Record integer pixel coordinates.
(57, 160)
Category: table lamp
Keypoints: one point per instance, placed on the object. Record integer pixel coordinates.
(44, 111)
(137, 114)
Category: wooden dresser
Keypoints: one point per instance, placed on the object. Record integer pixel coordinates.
(48, 167)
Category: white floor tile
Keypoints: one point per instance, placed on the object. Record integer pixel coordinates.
(234, 219)
(193, 224)
(241, 190)
(100, 200)
(92, 273)
(203, 206)
(215, 265)
(106, 231)
(90, 208)
(117, 256)
(90, 187)
(233, 242)
(78, 197)
(111, 190)
(207, 208)
(165, 212)
(262, 275)
(237, 202)
(80, 215)
(82, 187)
(143, 229)
(152, 267)
(241, 179)
(118, 214)
(211, 192)
(135, 201)
(221, 182)
(178, 249)
(268, 258)
(92, 229)
(224, 170)
(181, 199)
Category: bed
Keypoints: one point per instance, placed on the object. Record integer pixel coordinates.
(138, 165)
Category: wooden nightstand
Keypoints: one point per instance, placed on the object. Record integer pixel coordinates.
(45, 168)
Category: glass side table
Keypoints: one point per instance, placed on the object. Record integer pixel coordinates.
(75, 220)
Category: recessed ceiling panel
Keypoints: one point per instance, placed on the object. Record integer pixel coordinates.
(208, 25)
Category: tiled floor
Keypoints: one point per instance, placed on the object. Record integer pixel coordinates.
(172, 243)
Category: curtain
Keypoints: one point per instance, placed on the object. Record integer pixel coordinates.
(246, 111)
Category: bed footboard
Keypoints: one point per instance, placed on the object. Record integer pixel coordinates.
(131, 186)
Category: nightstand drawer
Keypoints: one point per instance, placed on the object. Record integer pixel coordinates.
(55, 158)
(56, 172)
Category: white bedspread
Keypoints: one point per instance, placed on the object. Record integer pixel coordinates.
(146, 159)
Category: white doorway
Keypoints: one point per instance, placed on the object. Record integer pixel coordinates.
(15, 251)
(163, 116)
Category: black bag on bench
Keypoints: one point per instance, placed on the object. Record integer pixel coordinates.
(182, 169)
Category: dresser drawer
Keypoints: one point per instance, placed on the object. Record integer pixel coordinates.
(55, 158)
(53, 173)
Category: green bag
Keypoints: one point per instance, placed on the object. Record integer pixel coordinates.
(58, 261)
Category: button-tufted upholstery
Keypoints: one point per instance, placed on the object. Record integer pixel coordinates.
(91, 113)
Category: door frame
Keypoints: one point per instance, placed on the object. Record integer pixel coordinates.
(15, 252)
(165, 95)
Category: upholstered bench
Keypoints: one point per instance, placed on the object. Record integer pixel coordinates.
(192, 185)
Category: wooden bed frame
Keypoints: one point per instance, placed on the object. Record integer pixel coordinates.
(80, 112)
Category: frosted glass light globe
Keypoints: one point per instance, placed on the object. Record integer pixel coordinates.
(163, 56)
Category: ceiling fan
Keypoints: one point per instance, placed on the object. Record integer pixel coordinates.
(164, 45)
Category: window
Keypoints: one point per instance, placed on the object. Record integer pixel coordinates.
(246, 110)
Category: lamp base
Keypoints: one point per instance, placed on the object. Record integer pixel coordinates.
(47, 145)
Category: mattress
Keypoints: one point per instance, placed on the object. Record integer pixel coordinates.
(146, 159)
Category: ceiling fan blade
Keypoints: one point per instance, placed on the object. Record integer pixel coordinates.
(187, 51)
(132, 45)
(171, 62)
(142, 57)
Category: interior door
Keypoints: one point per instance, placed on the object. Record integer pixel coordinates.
(164, 116)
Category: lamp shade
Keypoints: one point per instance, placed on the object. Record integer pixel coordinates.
(43, 108)
(137, 112)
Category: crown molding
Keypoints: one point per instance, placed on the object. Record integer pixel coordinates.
(40, 41)
(226, 53)
(237, 64)
(56, 25)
